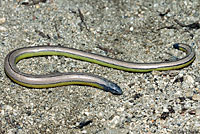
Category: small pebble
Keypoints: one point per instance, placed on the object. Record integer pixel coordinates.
(165, 109)
(2, 20)
(131, 28)
(3, 29)
(189, 79)
(37, 6)
(196, 97)
(7, 108)
(198, 111)
(84, 132)
(188, 93)
(115, 121)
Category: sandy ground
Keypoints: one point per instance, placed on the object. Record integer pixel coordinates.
(137, 31)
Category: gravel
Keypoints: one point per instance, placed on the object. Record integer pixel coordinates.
(138, 31)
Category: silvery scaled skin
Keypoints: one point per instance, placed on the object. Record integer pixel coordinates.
(53, 80)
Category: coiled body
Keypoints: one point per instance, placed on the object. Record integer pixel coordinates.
(46, 81)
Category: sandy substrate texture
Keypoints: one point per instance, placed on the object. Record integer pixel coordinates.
(138, 31)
